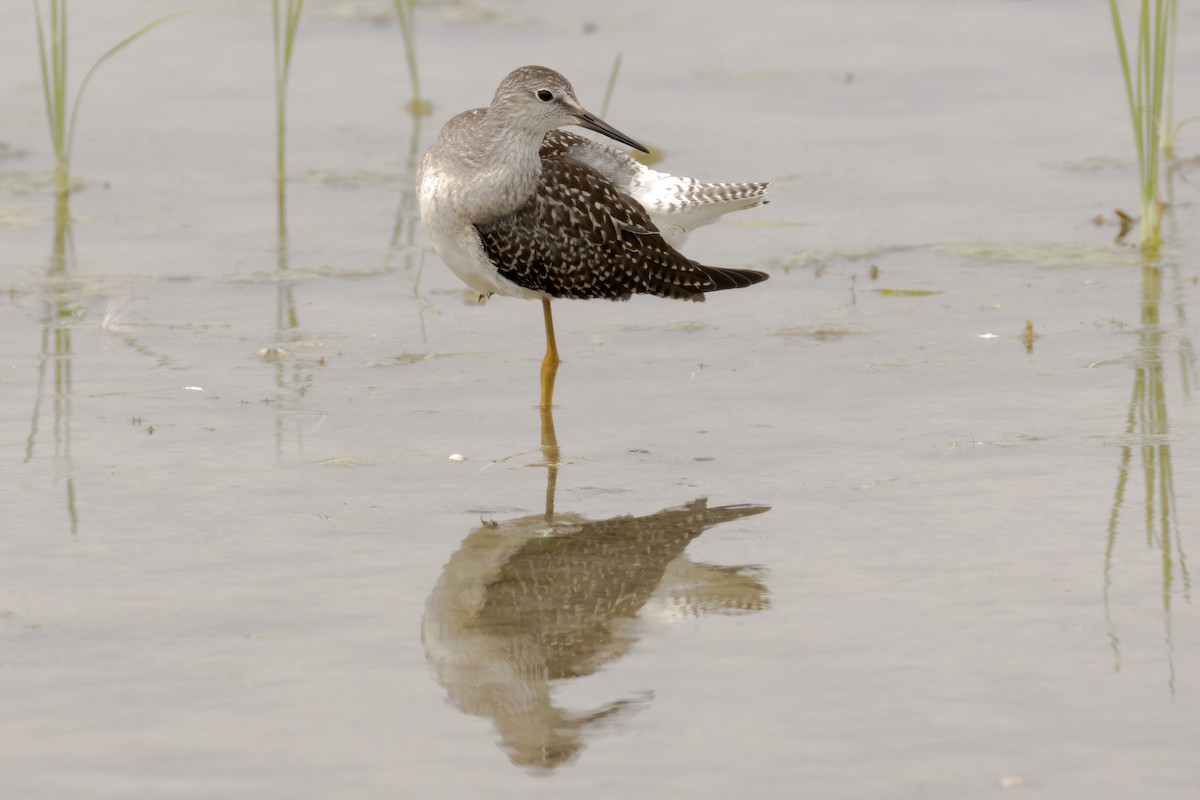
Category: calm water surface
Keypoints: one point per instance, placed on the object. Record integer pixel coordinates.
(912, 519)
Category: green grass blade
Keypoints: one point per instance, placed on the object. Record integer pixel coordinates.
(285, 27)
(1155, 75)
(1149, 81)
(118, 47)
(46, 86)
(58, 30)
(293, 24)
(1143, 85)
(1168, 119)
(406, 14)
(1126, 73)
(612, 84)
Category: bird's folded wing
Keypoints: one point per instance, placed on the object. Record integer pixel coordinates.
(579, 237)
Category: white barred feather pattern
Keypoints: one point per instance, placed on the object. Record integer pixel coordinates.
(676, 205)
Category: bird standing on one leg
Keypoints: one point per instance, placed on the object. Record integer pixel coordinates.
(518, 208)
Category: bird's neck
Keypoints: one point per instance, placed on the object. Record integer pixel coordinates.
(506, 169)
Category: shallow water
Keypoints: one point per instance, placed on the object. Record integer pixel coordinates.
(238, 560)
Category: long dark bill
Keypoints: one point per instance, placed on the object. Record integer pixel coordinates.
(593, 123)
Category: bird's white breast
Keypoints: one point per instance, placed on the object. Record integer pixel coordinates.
(454, 236)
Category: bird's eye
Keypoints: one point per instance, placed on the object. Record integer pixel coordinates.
(545, 95)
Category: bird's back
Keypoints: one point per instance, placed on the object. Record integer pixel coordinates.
(676, 205)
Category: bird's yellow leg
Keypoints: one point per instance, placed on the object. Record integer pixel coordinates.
(551, 452)
(550, 362)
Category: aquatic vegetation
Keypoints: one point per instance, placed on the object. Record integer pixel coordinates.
(902, 292)
(52, 53)
(1052, 255)
(612, 84)
(1028, 336)
(286, 19)
(1148, 88)
(406, 13)
(407, 216)
(1148, 435)
(653, 154)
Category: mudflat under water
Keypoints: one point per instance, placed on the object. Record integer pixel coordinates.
(911, 519)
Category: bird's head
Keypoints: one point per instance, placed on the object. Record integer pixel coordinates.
(539, 100)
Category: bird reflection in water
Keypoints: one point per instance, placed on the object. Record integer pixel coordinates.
(555, 596)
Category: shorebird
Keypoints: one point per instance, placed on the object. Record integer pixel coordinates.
(528, 603)
(516, 207)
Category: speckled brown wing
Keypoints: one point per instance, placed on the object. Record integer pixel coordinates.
(579, 237)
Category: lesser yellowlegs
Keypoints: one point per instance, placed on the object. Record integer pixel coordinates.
(516, 207)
